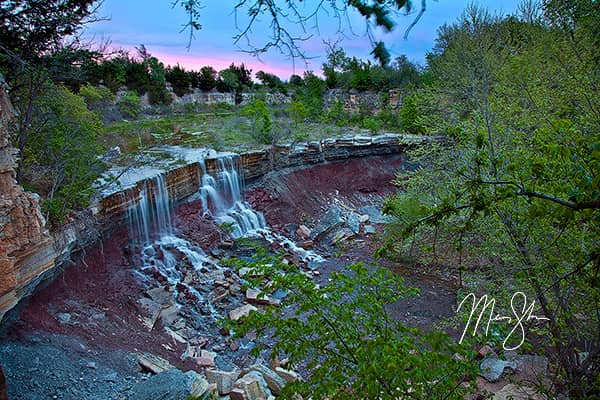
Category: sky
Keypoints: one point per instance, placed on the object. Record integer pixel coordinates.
(158, 26)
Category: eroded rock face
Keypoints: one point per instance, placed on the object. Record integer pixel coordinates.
(25, 244)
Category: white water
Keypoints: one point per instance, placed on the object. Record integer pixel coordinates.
(150, 222)
(222, 199)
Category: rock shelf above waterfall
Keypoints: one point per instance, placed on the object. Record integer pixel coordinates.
(184, 178)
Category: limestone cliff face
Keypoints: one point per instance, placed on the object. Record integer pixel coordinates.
(25, 245)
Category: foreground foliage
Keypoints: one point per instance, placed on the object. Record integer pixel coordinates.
(518, 193)
(343, 335)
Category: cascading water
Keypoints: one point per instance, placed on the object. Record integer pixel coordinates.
(150, 224)
(162, 251)
(152, 213)
(221, 197)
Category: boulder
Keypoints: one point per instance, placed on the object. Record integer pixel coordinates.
(258, 297)
(242, 311)
(342, 235)
(303, 232)
(251, 386)
(171, 385)
(354, 222)
(514, 392)
(223, 379)
(288, 375)
(332, 219)
(369, 229)
(152, 363)
(375, 215)
(486, 351)
(274, 382)
(491, 368)
(160, 295)
(206, 359)
(152, 311)
(169, 314)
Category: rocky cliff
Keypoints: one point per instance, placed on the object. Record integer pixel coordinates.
(355, 101)
(26, 249)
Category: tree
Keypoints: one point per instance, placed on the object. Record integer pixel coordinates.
(235, 79)
(30, 28)
(281, 13)
(180, 79)
(296, 80)
(521, 183)
(271, 81)
(311, 94)
(61, 158)
(260, 118)
(207, 79)
(342, 334)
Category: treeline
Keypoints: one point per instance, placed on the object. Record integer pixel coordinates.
(345, 72)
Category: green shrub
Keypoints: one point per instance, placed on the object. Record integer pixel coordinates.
(96, 97)
(260, 118)
(61, 154)
(409, 116)
(343, 335)
(372, 124)
(130, 106)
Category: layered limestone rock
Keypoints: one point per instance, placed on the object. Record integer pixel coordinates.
(355, 101)
(184, 181)
(26, 249)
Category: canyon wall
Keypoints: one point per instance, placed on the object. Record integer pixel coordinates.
(29, 253)
(184, 181)
(26, 249)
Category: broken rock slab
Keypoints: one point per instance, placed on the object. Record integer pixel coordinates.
(242, 311)
(152, 363)
(206, 359)
(491, 368)
(274, 382)
(303, 232)
(172, 384)
(258, 297)
(288, 375)
(369, 229)
(224, 380)
(375, 215)
(332, 219)
(354, 222)
(161, 296)
(514, 392)
(251, 386)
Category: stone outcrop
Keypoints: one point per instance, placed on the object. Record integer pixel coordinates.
(26, 249)
(184, 181)
(355, 101)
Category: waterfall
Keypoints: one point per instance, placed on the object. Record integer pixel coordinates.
(150, 224)
(221, 197)
(152, 213)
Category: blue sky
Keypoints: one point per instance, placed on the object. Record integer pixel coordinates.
(158, 26)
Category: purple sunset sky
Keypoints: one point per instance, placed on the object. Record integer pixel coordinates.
(158, 26)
